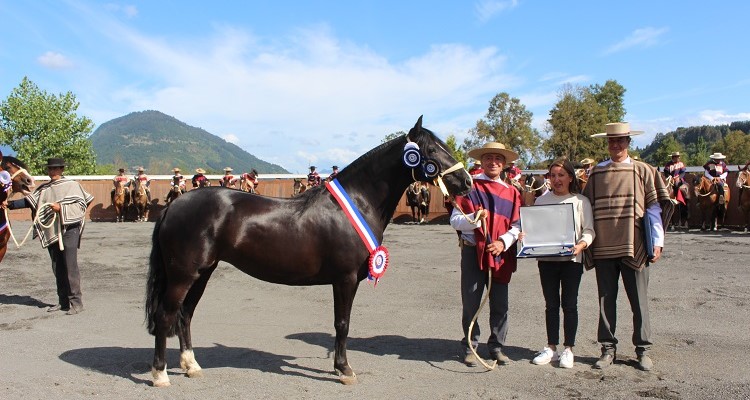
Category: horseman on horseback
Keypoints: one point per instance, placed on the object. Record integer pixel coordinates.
(513, 174)
(716, 171)
(120, 179)
(313, 178)
(144, 181)
(676, 170)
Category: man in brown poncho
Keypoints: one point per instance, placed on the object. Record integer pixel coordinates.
(624, 195)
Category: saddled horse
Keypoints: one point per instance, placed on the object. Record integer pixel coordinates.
(536, 185)
(120, 200)
(743, 183)
(175, 191)
(301, 241)
(708, 201)
(682, 203)
(414, 201)
(247, 183)
(425, 203)
(298, 187)
(140, 201)
(22, 182)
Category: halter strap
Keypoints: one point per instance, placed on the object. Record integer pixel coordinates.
(439, 180)
(20, 170)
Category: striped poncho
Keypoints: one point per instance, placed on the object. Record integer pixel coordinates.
(73, 202)
(504, 203)
(620, 193)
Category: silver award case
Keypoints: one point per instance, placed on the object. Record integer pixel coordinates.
(550, 231)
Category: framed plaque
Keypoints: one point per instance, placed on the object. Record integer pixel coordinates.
(550, 231)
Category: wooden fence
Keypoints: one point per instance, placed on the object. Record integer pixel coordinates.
(102, 210)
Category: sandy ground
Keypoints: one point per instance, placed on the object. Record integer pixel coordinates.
(259, 340)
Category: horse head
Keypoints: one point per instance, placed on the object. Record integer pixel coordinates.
(22, 181)
(435, 162)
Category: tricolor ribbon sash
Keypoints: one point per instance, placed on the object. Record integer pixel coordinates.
(378, 254)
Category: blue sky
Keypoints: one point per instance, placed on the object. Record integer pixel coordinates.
(322, 82)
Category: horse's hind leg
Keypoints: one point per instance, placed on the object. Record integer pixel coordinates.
(343, 298)
(187, 356)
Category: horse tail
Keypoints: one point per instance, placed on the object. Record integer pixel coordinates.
(156, 285)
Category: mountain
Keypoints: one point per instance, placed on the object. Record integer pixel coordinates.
(159, 142)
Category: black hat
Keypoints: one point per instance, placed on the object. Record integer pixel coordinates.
(335, 167)
(312, 167)
(121, 170)
(55, 162)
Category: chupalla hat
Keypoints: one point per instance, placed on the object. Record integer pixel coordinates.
(228, 169)
(617, 129)
(493, 148)
(676, 154)
(718, 156)
(200, 170)
(587, 161)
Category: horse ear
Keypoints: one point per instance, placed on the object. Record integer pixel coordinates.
(418, 125)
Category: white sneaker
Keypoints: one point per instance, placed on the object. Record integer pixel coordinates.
(545, 356)
(566, 359)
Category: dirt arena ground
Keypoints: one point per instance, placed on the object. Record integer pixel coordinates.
(258, 340)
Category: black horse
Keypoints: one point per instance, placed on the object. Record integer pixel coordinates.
(304, 240)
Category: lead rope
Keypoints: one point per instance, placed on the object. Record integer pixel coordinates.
(36, 219)
(441, 185)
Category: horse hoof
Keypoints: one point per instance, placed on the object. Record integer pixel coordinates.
(348, 379)
(160, 378)
(195, 373)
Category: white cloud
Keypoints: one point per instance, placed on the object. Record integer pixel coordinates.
(719, 117)
(231, 138)
(128, 10)
(487, 9)
(643, 37)
(54, 60)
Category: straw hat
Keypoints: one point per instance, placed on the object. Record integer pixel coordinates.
(676, 154)
(493, 148)
(175, 169)
(587, 161)
(140, 169)
(617, 129)
(718, 156)
(228, 169)
(200, 170)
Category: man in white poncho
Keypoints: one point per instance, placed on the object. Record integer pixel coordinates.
(59, 210)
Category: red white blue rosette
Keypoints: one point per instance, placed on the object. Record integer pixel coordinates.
(378, 263)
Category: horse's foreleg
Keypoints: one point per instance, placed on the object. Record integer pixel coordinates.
(187, 356)
(343, 298)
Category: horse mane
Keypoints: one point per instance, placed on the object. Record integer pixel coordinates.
(357, 165)
(12, 160)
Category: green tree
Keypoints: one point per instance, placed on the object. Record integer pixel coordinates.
(736, 146)
(663, 154)
(509, 122)
(576, 116)
(698, 152)
(455, 149)
(38, 126)
(392, 136)
(610, 96)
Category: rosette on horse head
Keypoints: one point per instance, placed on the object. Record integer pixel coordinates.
(335, 229)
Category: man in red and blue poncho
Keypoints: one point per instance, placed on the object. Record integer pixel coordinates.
(488, 222)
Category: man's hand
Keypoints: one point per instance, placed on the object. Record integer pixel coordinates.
(496, 248)
(657, 254)
(55, 207)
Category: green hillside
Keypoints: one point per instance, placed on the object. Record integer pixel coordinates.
(159, 143)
